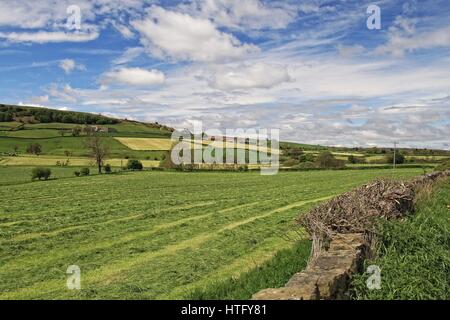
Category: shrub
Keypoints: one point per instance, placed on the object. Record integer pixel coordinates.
(354, 160)
(307, 157)
(291, 162)
(34, 148)
(243, 168)
(41, 173)
(399, 158)
(327, 160)
(107, 168)
(134, 165)
(77, 173)
(85, 172)
(167, 163)
(76, 131)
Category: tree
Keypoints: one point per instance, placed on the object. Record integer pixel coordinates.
(85, 172)
(294, 153)
(134, 165)
(40, 173)
(34, 148)
(98, 150)
(327, 160)
(76, 131)
(108, 168)
(67, 153)
(399, 158)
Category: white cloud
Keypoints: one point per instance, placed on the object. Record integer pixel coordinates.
(350, 51)
(45, 36)
(40, 99)
(403, 37)
(45, 20)
(247, 14)
(68, 65)
(129, 55)
(123, 30)
(182, 37)
(133, 77)
(258, 75)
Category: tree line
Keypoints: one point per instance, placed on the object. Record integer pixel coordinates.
(43, 115)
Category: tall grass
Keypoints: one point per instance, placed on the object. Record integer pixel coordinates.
(272, 274)
(414, 255)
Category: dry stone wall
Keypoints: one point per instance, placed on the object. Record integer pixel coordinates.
(329, 273)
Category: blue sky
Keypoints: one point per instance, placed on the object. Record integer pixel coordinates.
(310, 68)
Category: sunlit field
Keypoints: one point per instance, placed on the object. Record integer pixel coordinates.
(152, 235)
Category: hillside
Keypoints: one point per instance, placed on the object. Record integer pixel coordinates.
(61, 135)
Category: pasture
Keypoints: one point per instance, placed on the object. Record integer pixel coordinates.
(153, 235)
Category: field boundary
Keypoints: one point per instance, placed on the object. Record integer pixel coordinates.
(335, 261)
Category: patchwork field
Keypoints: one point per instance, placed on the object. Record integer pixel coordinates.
(146, 143)
(153, 235)
(73, 161)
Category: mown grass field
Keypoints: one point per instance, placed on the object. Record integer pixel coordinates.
(154, 235)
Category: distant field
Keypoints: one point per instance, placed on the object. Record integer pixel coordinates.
(22, 174)
(51, 161)
(57, 147)
(42, 133)
(146, 143)
(152, 235)
(166, 144)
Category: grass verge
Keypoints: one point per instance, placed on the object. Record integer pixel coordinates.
(414, 254)
(272, 274)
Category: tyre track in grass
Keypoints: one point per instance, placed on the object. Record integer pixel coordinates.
(241, 264)
(112, 272)
(47, 234)
(105, 244)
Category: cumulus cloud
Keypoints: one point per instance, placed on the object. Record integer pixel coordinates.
(68, 65)
(258, 75)
(50, 18)
(182, 37)
(398, 44)
(403, 37)
(133, 77)
(247, 14)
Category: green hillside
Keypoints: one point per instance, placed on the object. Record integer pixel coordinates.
(62, 133)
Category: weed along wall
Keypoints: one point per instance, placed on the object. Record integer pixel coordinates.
(343, 231)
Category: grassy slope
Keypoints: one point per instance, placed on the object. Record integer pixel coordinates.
(53, 144)
(118, 227)
(415, 256)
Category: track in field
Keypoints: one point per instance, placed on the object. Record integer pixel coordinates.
(152, 234)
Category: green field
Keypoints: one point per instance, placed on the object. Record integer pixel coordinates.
(49, 137)
(153, 235)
